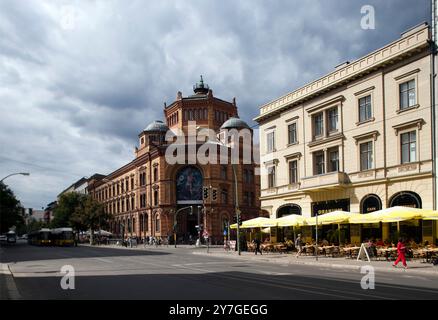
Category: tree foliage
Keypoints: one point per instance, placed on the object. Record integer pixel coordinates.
(79, 211)
(11, 211)
(67, 205)
(91, 214)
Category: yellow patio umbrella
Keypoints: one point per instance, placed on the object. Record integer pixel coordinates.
(259, 222)
(334, 217)
(292, 220)
(266, 230)
(372, 217)
(397, 214)
(429, 215)
(392, 214)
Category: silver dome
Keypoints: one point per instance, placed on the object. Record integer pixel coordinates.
(235, 123)
(157, 126)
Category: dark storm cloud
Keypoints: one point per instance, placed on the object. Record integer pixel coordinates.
(80, 79)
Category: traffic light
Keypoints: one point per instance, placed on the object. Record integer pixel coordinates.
(214, 194)
(30, 211)
(206, 193)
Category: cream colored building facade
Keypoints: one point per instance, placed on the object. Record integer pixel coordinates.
(357, 139)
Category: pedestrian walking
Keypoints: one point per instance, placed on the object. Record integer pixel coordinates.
(257, 248)
(298, 245)
(401, 251)
(169, 239)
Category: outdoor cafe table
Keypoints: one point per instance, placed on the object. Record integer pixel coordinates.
(308, 246)
(327, 249)
(350, 250)
(429, 252)
(280, 247)
(387, 251)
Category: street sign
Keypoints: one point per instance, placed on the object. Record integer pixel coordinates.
(363, 252)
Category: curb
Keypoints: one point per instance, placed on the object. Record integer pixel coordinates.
(329, 265)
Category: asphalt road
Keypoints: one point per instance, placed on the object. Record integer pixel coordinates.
(178, 274)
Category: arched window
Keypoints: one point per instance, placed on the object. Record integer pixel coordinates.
(156, 198)
(370, 203)
(189, 184)
(288, 209)
(155, 174)
(406, 199)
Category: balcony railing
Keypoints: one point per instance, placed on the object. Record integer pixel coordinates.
(327, 180)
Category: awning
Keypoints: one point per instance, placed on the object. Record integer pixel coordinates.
(393, 214)
(429, 215)
(292, 220)
(259, 222)
(334, 217)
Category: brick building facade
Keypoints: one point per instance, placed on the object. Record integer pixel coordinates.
(145, 196)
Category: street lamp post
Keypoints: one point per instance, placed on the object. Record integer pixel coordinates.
(237, 207)
(236, 199)
(198, 242)
(17, 173)
(316, 237)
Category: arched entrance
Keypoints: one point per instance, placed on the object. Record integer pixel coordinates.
(288, 209)
(411, 229)
(406, 199)
(189, 183)
(370, 203)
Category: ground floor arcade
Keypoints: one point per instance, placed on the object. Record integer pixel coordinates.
(366, 198)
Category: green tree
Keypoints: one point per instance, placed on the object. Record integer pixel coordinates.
(67, 205)
(11, 211)
(35, 225)
(91, 214)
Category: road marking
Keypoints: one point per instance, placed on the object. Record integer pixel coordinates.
(11, 287)
(103, 260)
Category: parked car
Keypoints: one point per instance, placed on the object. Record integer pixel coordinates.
(11, 237)
(3, 238)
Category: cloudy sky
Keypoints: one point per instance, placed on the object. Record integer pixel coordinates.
(80, 79)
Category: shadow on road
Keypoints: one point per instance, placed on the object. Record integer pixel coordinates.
(24, 252)
(213, 286)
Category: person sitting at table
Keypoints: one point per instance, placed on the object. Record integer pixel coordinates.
(380, 243)
(325, 243)
(413, 244)
(372, 250)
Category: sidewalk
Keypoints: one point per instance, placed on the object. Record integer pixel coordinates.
(414, 267)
